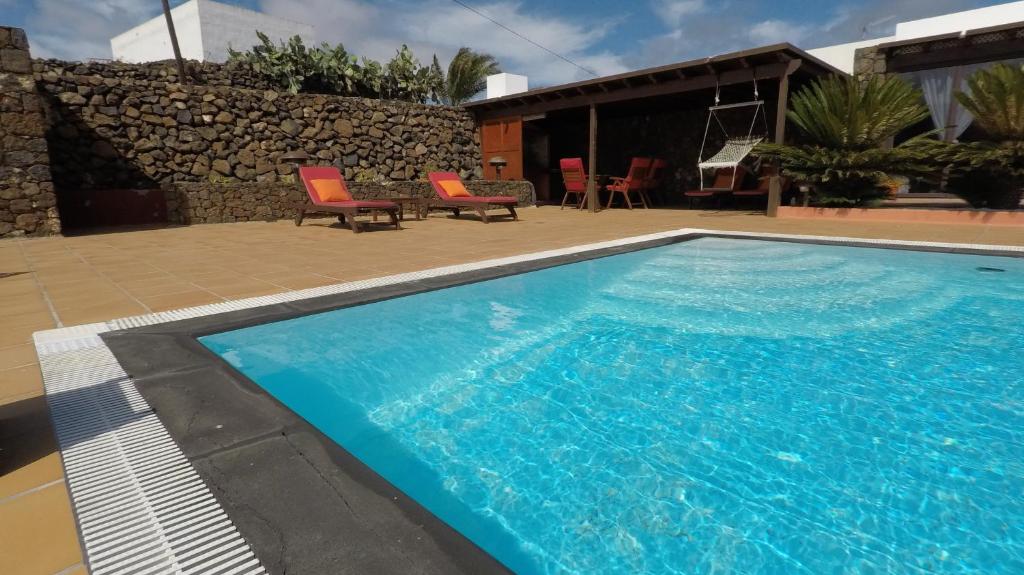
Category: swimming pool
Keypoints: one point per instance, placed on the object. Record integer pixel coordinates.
(716, 405)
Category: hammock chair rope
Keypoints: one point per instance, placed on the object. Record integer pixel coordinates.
(736, 148)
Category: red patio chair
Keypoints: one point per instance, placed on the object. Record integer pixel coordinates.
(328, 194)
(575, 178)
(634, 181)
(763, 184)
(654, 176)
(452, 194)
(724, 185)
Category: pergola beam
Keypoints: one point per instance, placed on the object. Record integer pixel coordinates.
(675, 86)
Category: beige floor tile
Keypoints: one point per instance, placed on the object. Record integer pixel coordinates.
(17, 335)
(37, 533)
(231, 287)
(180, 300)
(28, 461)
(101, 312)
(20, 383)
(161, 288)
(17, 356)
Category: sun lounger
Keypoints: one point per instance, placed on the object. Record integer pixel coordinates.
(452, 194)
(763, 185)
(328, 194)
(726, 182)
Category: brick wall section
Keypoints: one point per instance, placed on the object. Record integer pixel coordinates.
(205, 203)
(28, 205)
(115, 127)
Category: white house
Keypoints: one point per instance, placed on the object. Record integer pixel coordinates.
(841, 55)
(205, 31)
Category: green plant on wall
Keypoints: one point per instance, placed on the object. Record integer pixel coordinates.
(331, 69)
(843, 125)
(990, 173)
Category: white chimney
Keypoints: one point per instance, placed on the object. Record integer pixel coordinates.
(503, 84)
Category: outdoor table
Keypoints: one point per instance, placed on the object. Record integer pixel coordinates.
(418, 204)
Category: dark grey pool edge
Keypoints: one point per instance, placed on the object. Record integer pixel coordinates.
(166, 356)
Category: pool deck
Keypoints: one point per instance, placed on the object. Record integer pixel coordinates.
(65, 281)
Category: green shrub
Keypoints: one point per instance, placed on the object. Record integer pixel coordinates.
(843, 125)
(332, 70)
(990, 173)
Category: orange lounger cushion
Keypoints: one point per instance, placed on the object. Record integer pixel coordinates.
(331, 190)
(455, 189)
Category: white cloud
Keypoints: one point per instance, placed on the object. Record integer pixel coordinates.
(441, 27)
(697, 30)
(776, 31)
(72, 29)
(672, 12)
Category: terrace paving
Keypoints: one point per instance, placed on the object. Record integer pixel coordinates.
(65, 281)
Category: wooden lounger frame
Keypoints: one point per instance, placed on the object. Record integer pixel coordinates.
(479, 207)
(344, 214)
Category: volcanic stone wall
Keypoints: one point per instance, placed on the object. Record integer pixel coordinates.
(27, 200)
(113, 129)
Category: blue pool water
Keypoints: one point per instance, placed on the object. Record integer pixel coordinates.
(714, 406)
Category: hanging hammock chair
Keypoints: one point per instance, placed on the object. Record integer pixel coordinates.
(736, 147)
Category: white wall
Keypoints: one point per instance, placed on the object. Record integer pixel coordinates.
(503, 84)
(967, 20)
(150, 40)
(205, 31)
(841, 55)
(225, 26)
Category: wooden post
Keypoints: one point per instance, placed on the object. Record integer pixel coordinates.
(947, 133)
(592, 198)
(182, 78)
(775, 184)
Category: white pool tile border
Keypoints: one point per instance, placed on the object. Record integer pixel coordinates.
(141, 507)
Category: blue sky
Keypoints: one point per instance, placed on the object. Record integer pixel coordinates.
(605, 35)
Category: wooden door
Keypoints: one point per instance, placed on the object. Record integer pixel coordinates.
(503, 137)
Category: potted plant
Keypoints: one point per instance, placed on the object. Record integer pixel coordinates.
(844, 127)
(990, 173)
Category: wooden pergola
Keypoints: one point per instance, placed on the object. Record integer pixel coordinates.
(776, 63)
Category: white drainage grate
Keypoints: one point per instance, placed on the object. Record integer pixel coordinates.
(141, 507)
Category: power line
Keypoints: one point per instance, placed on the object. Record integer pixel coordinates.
(506, 28)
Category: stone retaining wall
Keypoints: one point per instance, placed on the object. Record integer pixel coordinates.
(201, 73)
(204, 203)
(122, 132)
(28, 205)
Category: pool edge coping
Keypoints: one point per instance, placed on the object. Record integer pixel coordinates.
(83, 352)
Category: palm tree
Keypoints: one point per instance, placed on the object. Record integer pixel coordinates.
(844, 124)
(992, 171)
(467, 75)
